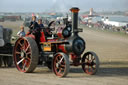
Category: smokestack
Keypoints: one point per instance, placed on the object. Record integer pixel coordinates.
(74, 11)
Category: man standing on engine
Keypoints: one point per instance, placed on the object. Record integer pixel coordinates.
(35, 30)
(33, 24)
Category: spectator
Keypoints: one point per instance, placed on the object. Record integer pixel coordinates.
(21, 33)
(41, 26)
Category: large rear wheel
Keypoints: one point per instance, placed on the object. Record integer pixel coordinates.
(25, 54)
(90, 63)
(61, 64)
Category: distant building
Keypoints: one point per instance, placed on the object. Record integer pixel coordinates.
(12, 18)
(1, 19)
(91, 11)
(126, 13)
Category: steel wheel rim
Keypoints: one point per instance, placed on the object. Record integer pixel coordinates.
(59, 67)
(22, 55)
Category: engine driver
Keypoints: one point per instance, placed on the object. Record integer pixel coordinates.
(35, 30)
(33, 25)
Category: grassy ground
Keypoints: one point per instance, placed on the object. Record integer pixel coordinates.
(15, 26)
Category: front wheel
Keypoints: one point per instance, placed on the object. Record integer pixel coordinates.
(90, 63)
(61, 64)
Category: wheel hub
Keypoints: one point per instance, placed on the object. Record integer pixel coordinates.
(89, 63)
(57, 65)
(23, 53)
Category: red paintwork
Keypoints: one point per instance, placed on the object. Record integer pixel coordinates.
(59, 35)
(62, 48)
(30, 35)
(42, 38)
(73, 56)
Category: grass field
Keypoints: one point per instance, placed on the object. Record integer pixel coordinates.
(15, 26)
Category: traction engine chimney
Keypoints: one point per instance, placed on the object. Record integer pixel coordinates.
(75, 11)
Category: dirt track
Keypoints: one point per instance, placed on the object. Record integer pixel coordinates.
(112, 51)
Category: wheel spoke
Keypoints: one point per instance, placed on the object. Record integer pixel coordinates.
(27, 48)
(28, 59)
(88, 62)
(63, 63)
(61, 60)
(94, 63)
(18, 52)
(24, 46)
(63, 66)
(28, 53)
(24, 65)
(20, 61)
(28, 62)
(87, 57)
(20, 44)
(87, 68)
(59, 56)
(56, 60)
(60, 70)
(24, 42)
(91, 57)
(93, 68)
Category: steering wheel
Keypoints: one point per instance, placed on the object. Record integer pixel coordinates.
(50, 24)
(48, 29)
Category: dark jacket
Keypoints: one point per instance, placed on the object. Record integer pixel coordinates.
(35, 25)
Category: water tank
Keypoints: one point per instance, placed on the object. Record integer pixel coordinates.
(7, 35)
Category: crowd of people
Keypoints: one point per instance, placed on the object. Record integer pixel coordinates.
(102, 26)
(33, 27)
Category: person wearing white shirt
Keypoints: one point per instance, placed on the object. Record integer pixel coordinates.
(21, 33)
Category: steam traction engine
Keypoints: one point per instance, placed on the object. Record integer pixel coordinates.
(5, 47)
(58, 53)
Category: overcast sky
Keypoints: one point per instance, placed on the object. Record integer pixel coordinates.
(61, 5)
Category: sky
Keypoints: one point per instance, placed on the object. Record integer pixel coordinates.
(61, 5)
